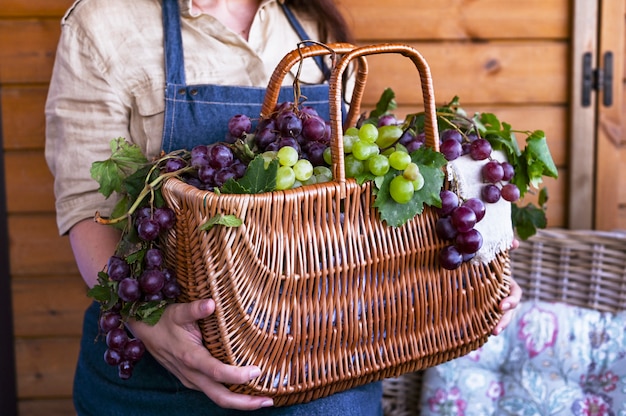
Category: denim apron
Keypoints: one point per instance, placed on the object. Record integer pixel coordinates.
(191, 112)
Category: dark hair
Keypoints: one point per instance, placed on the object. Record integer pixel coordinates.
(331, 23)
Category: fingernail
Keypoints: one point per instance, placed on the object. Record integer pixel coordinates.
(267, 403)
(254, 372)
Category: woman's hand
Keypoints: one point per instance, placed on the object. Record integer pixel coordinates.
(176, 343)
(508, 304)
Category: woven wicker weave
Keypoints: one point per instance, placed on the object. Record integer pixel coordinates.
(313, 287)
(579, 267)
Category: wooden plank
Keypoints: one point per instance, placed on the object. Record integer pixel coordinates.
(45, 366)
(39, 8)
(453, 19)
(35, 248)
(49, 306)
(611, 119)
(29, 183)
(479, 73)
(48, 407)
(23, 119)
(27, 50)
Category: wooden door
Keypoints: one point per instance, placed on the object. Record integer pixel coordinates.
(597, 197)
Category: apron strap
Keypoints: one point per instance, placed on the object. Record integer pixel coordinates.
(173, 44)
(304, 36)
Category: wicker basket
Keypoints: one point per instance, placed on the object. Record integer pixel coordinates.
(314, 288)
(582, 268)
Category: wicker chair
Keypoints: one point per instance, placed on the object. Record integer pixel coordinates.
(580, 267)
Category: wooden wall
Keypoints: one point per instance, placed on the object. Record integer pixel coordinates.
(508, 57)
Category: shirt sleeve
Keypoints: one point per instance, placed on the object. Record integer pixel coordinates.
(83, 115)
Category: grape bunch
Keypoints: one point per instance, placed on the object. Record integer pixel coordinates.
(370, 149)
(146, 283)
(458, 218)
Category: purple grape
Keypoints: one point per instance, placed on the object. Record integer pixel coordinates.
(239, 168)
(307, 110)
(222, 175)
(289, 141)
(165, 217)
(387, 120)
(492, 171)
(125, 370)
(153, 297)
(220, 156)
(171, 289)
(451, 134)
(469, 242)
(477, 206)
(142, 213)
(169, 274)
(289, 124)
(112, 357)
(315, 153)
(510, 192)
(128, 290)
(117, 268)
(199, 150)
(451, 149)
(174, 164)
(206, 174)
(264, 137)
(490, 193)
(450, 258)
(151, 281)
(449, 201)
(444, 229)
(153, 258)
(116, 339)
(109, 320)
(463, 218)
(509, 171)
(413, 146)
(198, 161)
(148, 229)
(314, 128)
(407, 137)
(480, 149)
(238, 125)
(134, 350)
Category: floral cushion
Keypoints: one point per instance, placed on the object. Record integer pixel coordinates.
(553, 359)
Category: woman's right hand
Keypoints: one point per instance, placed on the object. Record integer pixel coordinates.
(176, 342)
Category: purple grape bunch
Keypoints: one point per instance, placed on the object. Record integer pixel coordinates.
(153, 281)
(455, 224)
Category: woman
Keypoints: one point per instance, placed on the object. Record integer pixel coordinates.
(141, 70)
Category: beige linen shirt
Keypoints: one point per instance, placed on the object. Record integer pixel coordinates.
(108, 82)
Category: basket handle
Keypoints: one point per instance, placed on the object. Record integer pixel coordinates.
(309, 51)
(430, 121)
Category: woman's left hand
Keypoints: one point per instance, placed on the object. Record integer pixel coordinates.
(508, 304)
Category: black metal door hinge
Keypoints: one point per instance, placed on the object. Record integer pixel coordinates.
(599, 79)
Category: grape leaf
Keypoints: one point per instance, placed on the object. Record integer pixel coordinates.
(527, 219)
(256, 180)
(538, 158)
(220, 219)
(110, 173)
(430, 164)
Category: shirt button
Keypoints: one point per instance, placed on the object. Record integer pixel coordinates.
(194, 92)
(181, 91)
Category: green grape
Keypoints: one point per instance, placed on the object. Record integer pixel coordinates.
(363, 150)
(287, 156)
(303, 169)
(353, 166)
(368, 133)
(268, 157)
(348, 142)
(311, 181)
(328, 157)
(411, 171)
(285, 178)
(388, 135)
(418, 183)
(352, 131)
(378, 165)
(401, 189)
(399, 160)
(322, 174)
